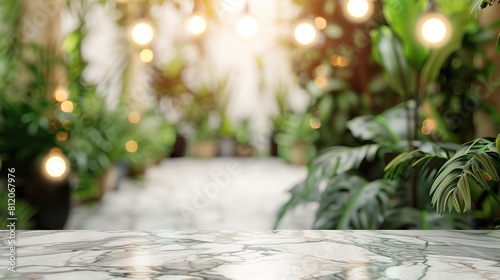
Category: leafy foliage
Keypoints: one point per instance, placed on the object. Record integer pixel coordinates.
(351, 202)
(475, 165)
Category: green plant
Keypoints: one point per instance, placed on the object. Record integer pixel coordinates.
(467, 181)
(296, 129)
(482, 5)
(24, 212)
(349, 184)
(243, 132)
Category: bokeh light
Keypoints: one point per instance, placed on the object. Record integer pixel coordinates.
(134, 117)
(55, 165)
(146, 55)
(428, 126)
(315, 123)
(320, 82)
(320, 22)
(62, 136)
(197, 24)
(61, 94)
(67, 106)
(358, 10)
(142, 32)
(131, 146)
(247, 26)
(434, 30)
(305, 33)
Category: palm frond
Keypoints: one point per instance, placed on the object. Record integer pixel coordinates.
(338, 160)
(351, 202)
(475, 165)
(426, 160)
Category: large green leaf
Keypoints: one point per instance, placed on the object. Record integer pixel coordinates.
(388, 52)
(351, 202)
(427, 160)
(403, 17)
(475, 165)
(389, 127)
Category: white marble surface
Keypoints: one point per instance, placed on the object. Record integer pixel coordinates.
(194, 194)
(356, 255)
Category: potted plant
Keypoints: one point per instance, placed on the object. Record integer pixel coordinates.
(295, 142)
(244, 148)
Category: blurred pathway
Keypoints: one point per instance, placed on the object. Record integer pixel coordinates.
(193, 194)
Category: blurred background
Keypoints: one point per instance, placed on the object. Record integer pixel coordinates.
(249, 114)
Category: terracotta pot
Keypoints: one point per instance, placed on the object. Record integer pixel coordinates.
(298, 154)
(243, 150)
(204, 149)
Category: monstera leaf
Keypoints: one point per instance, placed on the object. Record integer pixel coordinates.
(351, 202)
(475, 165)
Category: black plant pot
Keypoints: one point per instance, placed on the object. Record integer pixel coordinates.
(52, 201)
(180, 147)
(273, 146)
(54, 207)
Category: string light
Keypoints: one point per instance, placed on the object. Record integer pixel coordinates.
(146, 55)
(339, 61)
(305, 33)
(197, 24)
(67, 106)
(320, 23)
(61, 94)
(320, 82)
(428, 126)
(62, 136)
(321, 70)
(142, 32)
(134, 117)
(247, 26)
(358, 10)
(131, 146)
(315, 123)
(434, 30)
(55, 165)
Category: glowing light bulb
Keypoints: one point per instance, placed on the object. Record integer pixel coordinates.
(305, 33)
(197, 24)
(134, 117)
(67, 106)
(247, 26)
(434, 30)
(315, 123)
(61, 94)
(131, 146)
(55, 165)
(320, 23)
(142, 32)
(428, 126)
(320, 82)
(146, 55)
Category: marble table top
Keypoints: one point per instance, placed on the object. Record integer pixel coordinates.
(254, 255)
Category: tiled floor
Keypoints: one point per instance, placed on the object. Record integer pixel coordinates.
(194, 194)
